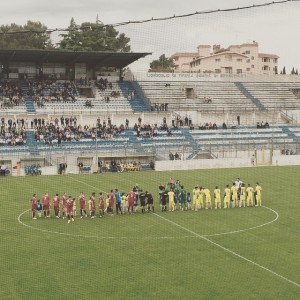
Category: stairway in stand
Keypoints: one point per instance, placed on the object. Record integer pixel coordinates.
(27, 99)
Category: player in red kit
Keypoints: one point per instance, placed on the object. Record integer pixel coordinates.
(131, 199)
(82, 204)
(111, 202)
(64, 204)
(69, 205)
(56, 205)
(101, 205)
(46, 205)
(33, 202)
(92, 203)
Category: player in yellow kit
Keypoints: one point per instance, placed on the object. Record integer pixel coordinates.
(171, 201)
(249, 192)
(200, 201)
(226, 196)
(195, 203)
(217, 195)
(207, 198)
(234, 195)
(258, 190)
(242, 196)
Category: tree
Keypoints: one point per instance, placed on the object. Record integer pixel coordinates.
(33, 35)
(94, 37)
(283, 71)
(293, 71)
(163, 64)
(296, 72)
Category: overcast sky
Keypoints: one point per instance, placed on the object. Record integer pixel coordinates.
(275, 28)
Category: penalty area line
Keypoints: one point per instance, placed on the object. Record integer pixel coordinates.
(228, 250)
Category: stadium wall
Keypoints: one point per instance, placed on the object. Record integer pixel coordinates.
(167, 165)
(286, 160)
(202, 164)
(154, 76)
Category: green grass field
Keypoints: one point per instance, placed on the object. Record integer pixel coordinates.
(240, 253)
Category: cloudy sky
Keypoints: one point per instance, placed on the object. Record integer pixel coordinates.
(274, 27)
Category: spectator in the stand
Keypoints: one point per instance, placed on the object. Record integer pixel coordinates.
(173, 120)
(186, 121)
(48, 133)
(262, 125)
(177, 157)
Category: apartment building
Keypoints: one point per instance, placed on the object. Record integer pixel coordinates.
(236, 59)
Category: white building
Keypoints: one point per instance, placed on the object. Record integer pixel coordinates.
(235, 59)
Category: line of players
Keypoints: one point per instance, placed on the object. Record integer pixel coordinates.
(66, 206)
(172, 194)
(175, 196)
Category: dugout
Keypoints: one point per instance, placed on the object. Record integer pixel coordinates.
(128, 163)
(32, 166)
(5, 167)
(85, 164)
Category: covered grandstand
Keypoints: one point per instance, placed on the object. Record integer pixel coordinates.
(58, 107)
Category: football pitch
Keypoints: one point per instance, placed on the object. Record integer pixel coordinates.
(237, 253)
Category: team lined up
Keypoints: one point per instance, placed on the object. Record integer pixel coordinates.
(66, 206)
(175, 196)
(172, 194)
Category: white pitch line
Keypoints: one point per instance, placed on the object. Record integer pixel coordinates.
(250, 228)
(214, 234)
(228, 250)
(99, 237)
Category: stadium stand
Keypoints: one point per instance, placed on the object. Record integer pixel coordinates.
(138, 119)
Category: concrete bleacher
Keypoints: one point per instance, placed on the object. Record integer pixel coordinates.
(123, 103)
(243, 135)
(225, 96)
(274, 95)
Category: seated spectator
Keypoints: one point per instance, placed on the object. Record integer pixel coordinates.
(171, 156)
(88, 103)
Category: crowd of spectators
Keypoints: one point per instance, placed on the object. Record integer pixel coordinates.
(69, 131)
(11, 93)
(288, 152)
(208, 126)
(12, 135)
(150, 130)
(159, 107)
(179, 121)
(102, 84)
(45, 91)
(174, 156)
(262, 125)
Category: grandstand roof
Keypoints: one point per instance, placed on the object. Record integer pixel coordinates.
(108, 59)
